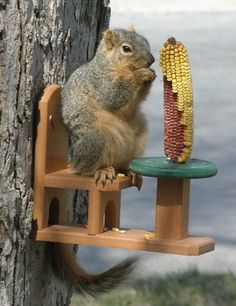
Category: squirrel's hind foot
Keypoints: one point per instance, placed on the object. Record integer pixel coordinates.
(102, 175)
(137, 180)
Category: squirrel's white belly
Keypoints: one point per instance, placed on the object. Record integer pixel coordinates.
(121, 143)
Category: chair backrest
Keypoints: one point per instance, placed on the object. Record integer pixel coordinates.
(51, 148)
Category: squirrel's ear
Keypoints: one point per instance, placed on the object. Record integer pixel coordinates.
(131, 28)
(111, 39)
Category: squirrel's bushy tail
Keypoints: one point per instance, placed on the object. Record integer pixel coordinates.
(65, 265)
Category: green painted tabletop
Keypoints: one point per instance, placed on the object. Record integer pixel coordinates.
(161, 167)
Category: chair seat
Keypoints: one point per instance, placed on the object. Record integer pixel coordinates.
(66, 179)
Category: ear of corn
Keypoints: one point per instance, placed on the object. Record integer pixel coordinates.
(178, 101)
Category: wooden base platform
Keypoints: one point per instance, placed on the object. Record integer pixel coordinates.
(132, 239)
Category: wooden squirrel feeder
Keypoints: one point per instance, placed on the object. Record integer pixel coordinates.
(53, 179)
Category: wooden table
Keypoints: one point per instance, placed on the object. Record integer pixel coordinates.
(173, 187)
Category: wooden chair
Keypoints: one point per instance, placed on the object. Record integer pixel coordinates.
(53, 179)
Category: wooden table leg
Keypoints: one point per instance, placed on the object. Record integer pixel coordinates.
(172, 210)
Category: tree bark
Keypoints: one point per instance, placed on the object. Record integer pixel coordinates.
(41, 42)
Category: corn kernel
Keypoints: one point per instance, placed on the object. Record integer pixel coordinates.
(120, 175)
(149, 236)
(115, 229)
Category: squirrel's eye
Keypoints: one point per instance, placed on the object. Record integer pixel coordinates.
(126, 49)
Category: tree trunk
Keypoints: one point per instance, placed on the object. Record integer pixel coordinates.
(41, 42)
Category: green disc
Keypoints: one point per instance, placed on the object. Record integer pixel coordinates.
(160, 166)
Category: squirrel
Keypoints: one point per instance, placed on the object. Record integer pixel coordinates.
(101, 111)
(101, 105)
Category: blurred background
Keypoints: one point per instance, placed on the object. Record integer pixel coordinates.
(207, 29)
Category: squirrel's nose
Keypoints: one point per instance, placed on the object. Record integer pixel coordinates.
(151, 59)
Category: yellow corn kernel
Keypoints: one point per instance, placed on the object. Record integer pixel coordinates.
(149, 236)
(115, 229)
(120, 175)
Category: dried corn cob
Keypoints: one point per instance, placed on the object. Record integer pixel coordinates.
(178, 101)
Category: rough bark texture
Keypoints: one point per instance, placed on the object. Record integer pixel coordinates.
(41, 42)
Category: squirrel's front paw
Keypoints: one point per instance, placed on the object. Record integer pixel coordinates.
(146, 74)
(102, 175)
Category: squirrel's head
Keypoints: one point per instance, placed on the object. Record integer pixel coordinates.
(126, 47)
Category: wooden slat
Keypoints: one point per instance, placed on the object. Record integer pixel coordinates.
(66, 179)
(132, 239)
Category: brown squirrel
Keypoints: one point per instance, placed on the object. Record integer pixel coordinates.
(101, 110)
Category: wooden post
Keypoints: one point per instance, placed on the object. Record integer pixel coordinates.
(112, 212)
(95, 212)
(172, 208)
